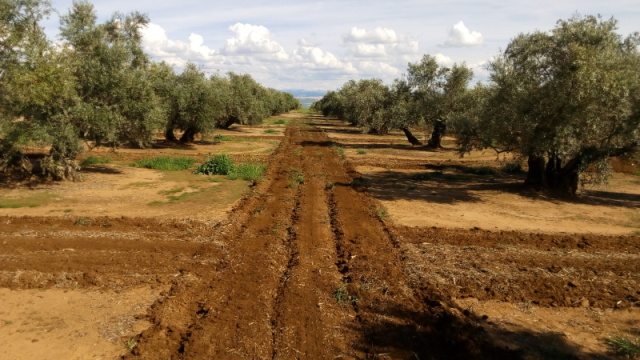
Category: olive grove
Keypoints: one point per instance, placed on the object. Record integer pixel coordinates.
(96, 86)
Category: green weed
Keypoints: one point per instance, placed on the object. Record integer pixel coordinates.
(83, 221)
(362, 152)
(165, 163)
(218, 165)
(623, 346)
(92, 160)
(249, 172)
(382, 213)
(271, 131)
(341, 294)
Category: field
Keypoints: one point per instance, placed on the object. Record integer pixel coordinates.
(353, 246)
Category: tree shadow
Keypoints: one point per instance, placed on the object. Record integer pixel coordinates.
(96, 169)
(436, 329)
(458, 186)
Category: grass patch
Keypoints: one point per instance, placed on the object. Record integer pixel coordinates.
(30, 201)
(83, 221)
(296, 177)
(165, 163)
(338, 149)
(362, 152)
(92, 160)
(271, 131)
(173, 191)
(249, 172)
(624, 346)
(219, 138)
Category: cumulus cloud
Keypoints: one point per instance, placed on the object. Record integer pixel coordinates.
(175, 52)
(460, 35)
(314, 57)
(378, 35)
(443, 60)
(254, 40)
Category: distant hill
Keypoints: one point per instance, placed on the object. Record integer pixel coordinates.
(306, 97)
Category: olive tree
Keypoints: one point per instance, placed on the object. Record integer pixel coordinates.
(567, 100)
(438, 93)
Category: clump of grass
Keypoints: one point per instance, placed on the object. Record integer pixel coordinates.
(92, 160)
(165, 163)
(271, 131)
(624, 346)
(249, 172)
(341, 294)
(482, 171)
(382, 213)
(362, 152)
(636, 172)
(280, 122)
(219, 138)
(338, 149)
(221, 164)
(83, 221)
(330, 186)
(296, 177)
(31, 201)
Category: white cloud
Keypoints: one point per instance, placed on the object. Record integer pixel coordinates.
(460, 35)
(369, 50)
(378, 35)
(314, 57)
(443, 60)
(175, 52)
(254, 40)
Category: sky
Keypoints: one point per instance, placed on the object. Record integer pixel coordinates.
(319, 45)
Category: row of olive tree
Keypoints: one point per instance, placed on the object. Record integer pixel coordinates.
(98, 86)
(566, 101)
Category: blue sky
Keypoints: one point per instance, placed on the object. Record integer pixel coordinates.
(319, 45)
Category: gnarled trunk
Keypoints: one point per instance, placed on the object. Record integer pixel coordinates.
(551, 174)
(169, 135)
(229, 121)
(188, 136)
(439, 128)
(412, 139)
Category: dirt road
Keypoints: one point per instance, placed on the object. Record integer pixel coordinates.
(304, 268)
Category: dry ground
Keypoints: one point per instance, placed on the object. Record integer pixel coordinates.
(330, 256)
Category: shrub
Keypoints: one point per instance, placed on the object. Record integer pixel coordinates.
(165, 163)
(218, 165)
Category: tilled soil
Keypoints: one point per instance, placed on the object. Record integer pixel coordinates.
(306, 267)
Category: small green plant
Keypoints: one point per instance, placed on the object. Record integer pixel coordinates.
(221, 164)
(155, 203)
(330, 186)
(68, 210)
(92, 160)
(296, 177)
(341, 294)
(319, 154)
(83, 221)
(280, 122)
(165, 163)
(636, 172)
(382, 213)
(624, 346)
(131, 344)
(362, 152)
(271, 131)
